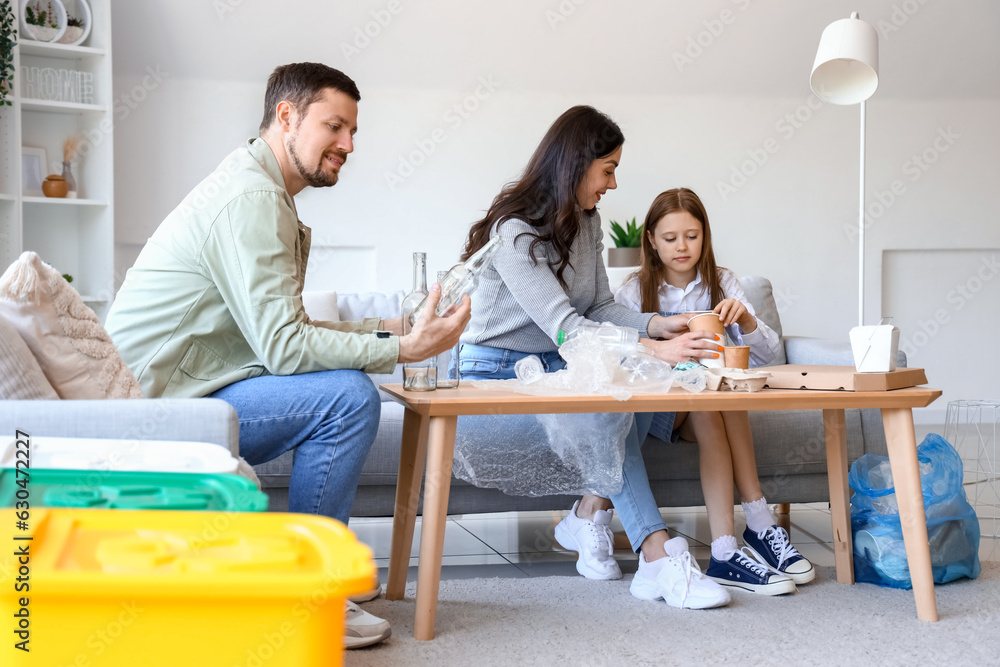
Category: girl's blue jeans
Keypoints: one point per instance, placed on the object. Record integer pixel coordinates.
(635, 504)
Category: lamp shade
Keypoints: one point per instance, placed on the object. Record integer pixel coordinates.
(846, 66)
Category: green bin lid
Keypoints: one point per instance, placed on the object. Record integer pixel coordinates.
(137, 490)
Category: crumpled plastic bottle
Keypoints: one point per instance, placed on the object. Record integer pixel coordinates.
(529, 369)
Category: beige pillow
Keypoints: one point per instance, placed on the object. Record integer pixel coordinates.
(20, 376)
(73, 349)
(321, 306)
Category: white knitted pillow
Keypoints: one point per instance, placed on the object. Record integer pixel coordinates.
(73, 349)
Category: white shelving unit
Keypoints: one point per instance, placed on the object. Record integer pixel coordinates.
(76, 236)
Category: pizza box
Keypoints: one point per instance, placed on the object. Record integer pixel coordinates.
(845, 378)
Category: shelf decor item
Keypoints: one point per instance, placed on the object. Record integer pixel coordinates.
(70, 147)
(33, 170)
(57, 85)
(628, 239)
(55, 186)
(43, 20)
(8, 39)
(78, 21)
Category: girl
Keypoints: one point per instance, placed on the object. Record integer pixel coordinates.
(679, 275)
(550, 276)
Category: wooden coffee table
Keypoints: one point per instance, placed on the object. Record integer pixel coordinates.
(429, 435)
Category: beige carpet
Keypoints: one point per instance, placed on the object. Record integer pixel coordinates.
(573, 621)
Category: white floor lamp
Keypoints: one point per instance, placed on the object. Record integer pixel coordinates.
(846, 72)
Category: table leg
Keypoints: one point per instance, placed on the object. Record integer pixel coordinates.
(902, 443)
(782, 516)
(412, 455)
(440, 452)
(835, 430)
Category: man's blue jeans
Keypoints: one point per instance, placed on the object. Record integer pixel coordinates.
(329, 418)
(635, 504)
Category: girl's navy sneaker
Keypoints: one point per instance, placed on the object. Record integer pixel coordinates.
(744, 572)
(772, 548)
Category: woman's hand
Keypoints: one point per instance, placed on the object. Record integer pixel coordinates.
(732, 311)
(667, 327)
(690, 346)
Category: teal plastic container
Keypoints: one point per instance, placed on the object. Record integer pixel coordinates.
(132, 490)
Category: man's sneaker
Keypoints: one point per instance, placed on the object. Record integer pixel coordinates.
(677, 580)
(744, 572)
(367, 596)
(362, 628)
(593, 541)
(772, 548)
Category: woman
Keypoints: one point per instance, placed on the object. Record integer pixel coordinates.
(548, 277)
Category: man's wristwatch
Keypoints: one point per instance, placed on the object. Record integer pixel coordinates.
(382, 334)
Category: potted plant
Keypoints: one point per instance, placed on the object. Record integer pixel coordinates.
(8, 38)
(43, 20)
(628, 240)
(78, 20)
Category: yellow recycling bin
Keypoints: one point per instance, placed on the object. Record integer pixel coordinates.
(85, 588)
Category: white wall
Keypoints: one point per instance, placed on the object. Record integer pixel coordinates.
(791, 219)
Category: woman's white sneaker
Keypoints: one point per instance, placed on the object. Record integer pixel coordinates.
(593, 541)
(677, 580)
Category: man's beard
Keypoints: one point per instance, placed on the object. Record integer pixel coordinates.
(317, 178)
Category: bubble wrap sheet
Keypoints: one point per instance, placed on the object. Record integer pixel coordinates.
(539, 455)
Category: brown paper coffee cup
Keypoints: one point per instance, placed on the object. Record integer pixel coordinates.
(737, 356)
(707, 322)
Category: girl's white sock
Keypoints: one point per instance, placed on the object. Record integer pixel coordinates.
(724, 548)
(759, 517)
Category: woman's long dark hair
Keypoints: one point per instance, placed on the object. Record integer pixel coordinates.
(652, 272)
(545, 195)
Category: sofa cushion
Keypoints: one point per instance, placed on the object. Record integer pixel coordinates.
(67, 340)
(758, 291)
(20, 375)
(356, 307)
(321, 306)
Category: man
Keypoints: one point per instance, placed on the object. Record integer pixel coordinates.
(213, 306)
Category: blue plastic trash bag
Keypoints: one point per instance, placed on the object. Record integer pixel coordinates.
(952, 525)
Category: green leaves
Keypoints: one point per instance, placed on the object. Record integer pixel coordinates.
(8, 38)
(628, 237)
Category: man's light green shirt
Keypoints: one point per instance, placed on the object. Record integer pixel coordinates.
(216, 294)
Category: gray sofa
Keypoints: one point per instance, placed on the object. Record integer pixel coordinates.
(184, 419)
(789, 445)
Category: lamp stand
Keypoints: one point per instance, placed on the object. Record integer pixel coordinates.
(861, 226)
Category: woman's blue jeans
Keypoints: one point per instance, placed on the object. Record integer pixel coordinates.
(329, 418)
(635, 504)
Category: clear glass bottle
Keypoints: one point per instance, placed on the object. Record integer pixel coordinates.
(461, 279)
(417, 375)
(447, 362)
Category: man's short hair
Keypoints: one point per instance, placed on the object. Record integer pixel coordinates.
(301, 84)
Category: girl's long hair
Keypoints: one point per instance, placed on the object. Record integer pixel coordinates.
(652, 271)
(545, 194)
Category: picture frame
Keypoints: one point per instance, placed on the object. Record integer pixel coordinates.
(34, 164)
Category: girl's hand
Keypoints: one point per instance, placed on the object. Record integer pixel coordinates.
(732, 311)
(667, 327)
(691, 346)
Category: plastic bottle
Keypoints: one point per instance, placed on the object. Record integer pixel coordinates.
(461, 279)
(623, 340)
(529, 369)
